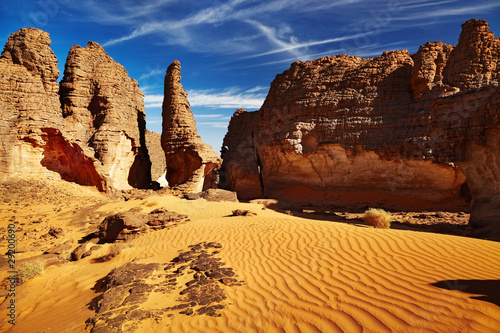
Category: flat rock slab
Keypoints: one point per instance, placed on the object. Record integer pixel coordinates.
(126, 226)
(127, 288)
(219, 195)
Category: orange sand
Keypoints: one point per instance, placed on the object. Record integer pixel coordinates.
(301, 275)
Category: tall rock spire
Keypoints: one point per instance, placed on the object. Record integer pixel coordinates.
(190, 162)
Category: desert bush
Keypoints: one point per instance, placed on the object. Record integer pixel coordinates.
(113, 251)
(29, 270)
(65, 255)
(377, 218)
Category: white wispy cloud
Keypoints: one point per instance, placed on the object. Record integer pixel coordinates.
(278, 38)
(440, 13)
(258, 88)
(215, 124)
(196, 115)
(117, 11)
(178, 31)
(230, 98)
(427, 4)
(153, 100)
(208, 15)
(301, 56)
(153, 119)
(142, 30)
(155, 71)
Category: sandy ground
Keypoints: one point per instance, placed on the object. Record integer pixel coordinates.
(301, 273)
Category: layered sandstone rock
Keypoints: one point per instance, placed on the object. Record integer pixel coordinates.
(398, 131)
(32, 128)
(105, 108)
(97, 137)
(190, 162)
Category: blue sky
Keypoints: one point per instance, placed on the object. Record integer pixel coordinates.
(230, 51)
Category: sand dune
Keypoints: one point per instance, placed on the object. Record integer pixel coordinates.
(301, 275)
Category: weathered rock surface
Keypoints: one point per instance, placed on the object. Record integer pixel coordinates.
(29, 104)
(213, 194)
(217, 194)
(190, 162)
(95, 138)
(398, 131)
(156, 155)
(243, 178)
(128, 225)
(105, 107)
(126, 289)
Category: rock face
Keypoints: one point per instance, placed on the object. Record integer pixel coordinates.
(106, 110)
(241, 171)
(29, 102)
(398, 131)
(190, 162)
(156, 155)
(89, 130)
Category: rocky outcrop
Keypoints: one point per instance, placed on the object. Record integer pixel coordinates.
(105, 108)
(96, 137)
(195, 283)
(31, 124)
(128, 225)
(190, 162)
(398, 131)
(213, 194)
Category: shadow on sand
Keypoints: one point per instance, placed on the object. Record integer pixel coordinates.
(435, 227)
(489, 289)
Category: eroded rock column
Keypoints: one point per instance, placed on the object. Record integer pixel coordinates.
(190, 162)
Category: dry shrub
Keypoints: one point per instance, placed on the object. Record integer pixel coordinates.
(377, 218)
(65, 255)
(29, 270)
(114, 250)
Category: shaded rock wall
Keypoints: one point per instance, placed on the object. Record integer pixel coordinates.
(190, 162)
(156, 155)
(241, 162)
(96, 137)
(398, 131)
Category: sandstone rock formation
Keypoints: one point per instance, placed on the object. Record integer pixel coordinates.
(156, 155)
(243, 178)
(190, 162)
(127, 226)
(106, 110)
(399, 131)
(29, 104)
(96, 137)
(213, 194)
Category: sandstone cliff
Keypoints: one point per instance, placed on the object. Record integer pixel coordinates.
(190, 162)
(106, 112)
(398, 131)
(31, 122)
(95, 138)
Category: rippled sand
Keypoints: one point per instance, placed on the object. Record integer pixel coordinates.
(302, 275)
